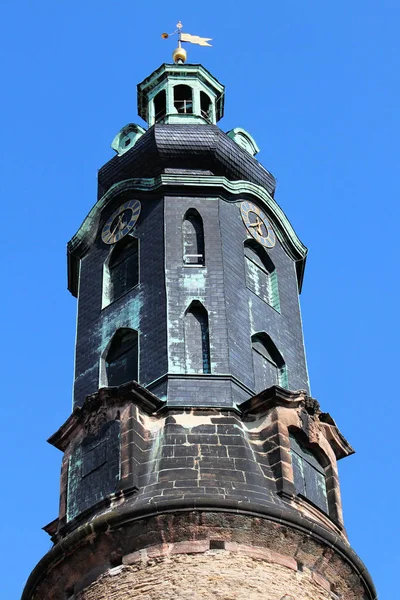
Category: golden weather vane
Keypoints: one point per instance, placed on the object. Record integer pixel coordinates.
(179, 55)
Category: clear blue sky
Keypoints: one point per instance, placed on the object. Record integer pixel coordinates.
(317, 85)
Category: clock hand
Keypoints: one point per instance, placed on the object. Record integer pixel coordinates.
(120, 225)
(257, 224)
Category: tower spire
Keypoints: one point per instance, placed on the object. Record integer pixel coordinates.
(179, 55)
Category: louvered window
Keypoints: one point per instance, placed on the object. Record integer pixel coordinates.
(269, 366)
(122, 358)
(197, 340)
(261, 276)
(309, 475)
(193, 238)
(123, 268)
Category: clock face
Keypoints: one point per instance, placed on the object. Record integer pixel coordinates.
(257, 224)
(121, 222)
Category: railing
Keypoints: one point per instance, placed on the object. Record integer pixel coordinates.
(206, 115)
(184, 106)
(160, 116)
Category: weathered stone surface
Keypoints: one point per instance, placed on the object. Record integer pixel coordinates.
(79, 561)
(218, 575)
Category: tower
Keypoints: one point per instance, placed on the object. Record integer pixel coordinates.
(195, 462)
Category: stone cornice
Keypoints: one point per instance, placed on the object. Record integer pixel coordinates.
(105, 397)
(119, 517)
(199, 185)
(276, 396)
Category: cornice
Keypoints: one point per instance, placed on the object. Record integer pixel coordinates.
(104, 398)
(200, 185)
(276, 396)
(119, 517)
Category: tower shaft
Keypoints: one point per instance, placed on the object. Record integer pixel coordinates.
(195, 462)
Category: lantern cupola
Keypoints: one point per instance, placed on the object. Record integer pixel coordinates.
(181, 93)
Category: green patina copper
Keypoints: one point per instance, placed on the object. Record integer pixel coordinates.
(158, 101)
(243, 139)
(126, 138)
(234, 190)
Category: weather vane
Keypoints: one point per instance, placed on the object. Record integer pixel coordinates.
(179, 54)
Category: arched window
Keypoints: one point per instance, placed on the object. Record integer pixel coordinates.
(122, 358)
(123, 269)
(205, 106)
(183, 99)
(160, 106)
(261, 277)
(308, 474)
(197, 339)
(269, 366)
(193, 238)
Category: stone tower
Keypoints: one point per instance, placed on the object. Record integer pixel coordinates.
(195, 463)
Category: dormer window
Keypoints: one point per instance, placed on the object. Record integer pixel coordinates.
(183, 99)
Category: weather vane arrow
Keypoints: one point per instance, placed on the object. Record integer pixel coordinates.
(179, 55)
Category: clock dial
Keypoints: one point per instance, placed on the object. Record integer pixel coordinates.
(121, 222)
(257, 224)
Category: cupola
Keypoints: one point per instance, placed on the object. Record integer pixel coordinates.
(181, 93)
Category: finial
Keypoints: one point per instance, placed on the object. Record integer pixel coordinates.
(179, 54)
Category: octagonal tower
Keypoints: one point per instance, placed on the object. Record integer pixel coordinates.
(196, 463)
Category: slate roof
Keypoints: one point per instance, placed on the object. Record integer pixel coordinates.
(200, 147)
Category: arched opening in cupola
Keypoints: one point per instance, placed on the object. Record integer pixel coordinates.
(183, 99)
(160, 106)
(206, 106)
(269, 366)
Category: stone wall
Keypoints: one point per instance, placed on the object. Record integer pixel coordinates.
(217, 574)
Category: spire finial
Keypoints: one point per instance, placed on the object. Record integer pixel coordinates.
(179, 54)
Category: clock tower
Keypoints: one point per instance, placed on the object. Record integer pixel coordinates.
(195, 462)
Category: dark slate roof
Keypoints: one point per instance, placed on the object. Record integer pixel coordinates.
(199, 147)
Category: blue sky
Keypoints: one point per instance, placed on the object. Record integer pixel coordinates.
(316, 84)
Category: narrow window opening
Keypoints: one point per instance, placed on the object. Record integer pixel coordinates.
(261, 276)
(308, 474)
(123, 268)
(160, 106)
(197, 339)
(205, 106)
(183, 100)
(269, 366)
(122, 358)
(193, 238)
(217, 545)
(115, 560)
